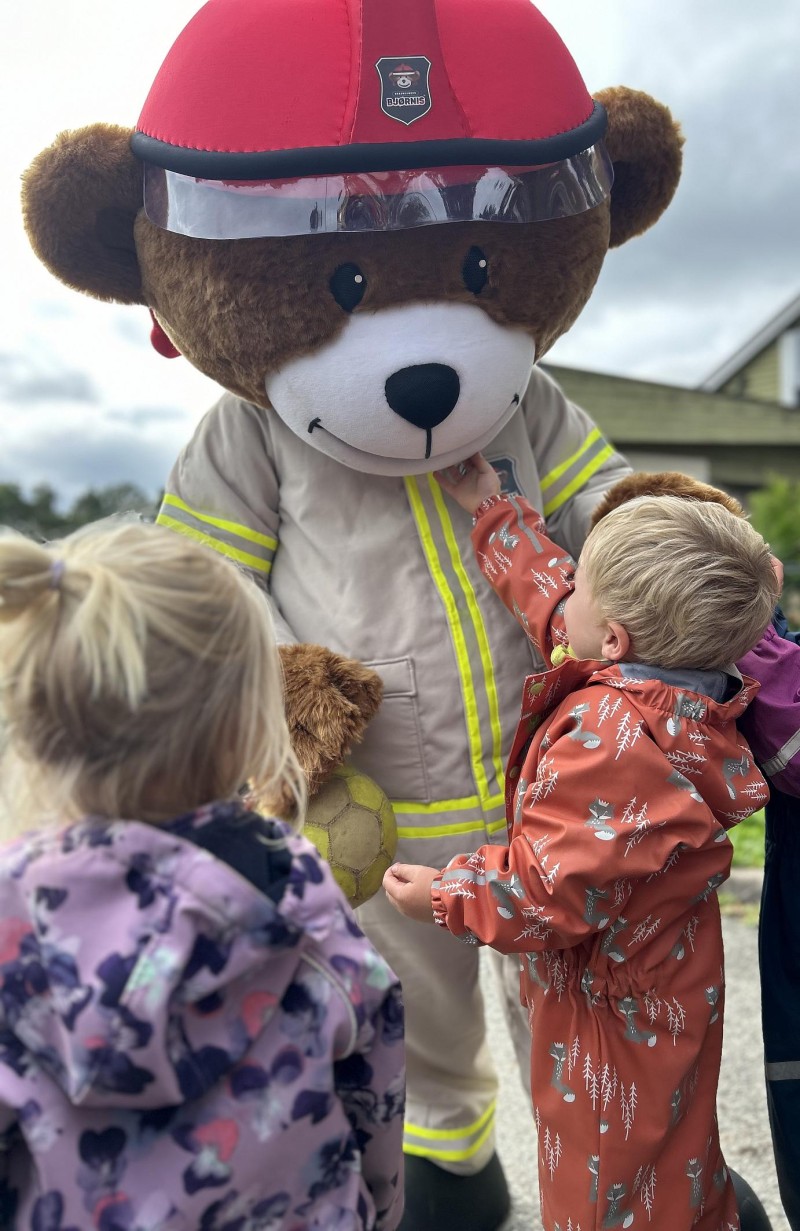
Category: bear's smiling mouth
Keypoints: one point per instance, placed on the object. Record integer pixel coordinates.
(317, 423)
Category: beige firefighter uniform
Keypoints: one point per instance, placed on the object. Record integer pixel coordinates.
(382, 569)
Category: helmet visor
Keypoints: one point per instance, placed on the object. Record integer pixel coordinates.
(376, 201)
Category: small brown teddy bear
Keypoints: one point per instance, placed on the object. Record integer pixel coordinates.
(662, 483)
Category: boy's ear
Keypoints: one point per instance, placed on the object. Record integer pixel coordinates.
(616, 642)
(645, 146)
(80, 198)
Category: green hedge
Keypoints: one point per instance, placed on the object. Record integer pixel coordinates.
(748, 842)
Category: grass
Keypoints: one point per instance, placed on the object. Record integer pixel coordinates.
(748, 842)
(748, 852)
(731, 907)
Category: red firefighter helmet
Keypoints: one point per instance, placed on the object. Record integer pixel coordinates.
(275, 92)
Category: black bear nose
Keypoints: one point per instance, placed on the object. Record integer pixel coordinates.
(423, 394)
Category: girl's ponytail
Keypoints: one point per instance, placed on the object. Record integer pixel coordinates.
(139, 676)
(28, 575)
(57, 600)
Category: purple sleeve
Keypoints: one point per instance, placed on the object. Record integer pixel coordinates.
(771, 723)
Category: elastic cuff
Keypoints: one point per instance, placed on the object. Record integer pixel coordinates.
(437, 905)
(487, 504)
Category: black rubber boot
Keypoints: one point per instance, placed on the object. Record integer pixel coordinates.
(437, 1200)
(752, 1214)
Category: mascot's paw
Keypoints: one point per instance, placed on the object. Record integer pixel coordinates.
(665, 483)
(752, 1215)
(437, 1200)
(329, 701)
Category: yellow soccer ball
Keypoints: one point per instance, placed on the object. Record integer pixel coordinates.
(352, 825)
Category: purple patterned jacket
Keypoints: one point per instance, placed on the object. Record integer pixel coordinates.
(194, 1034)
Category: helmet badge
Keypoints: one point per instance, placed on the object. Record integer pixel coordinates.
(405, 93)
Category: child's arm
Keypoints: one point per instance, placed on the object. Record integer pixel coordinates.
(771, 722)
(530, 573)
(598, 817)
(370, 1082)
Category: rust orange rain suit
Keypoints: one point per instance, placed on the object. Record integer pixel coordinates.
(621, 786)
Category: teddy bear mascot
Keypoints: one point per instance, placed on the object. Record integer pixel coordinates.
(368, 221)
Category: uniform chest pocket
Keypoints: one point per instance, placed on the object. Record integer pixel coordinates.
(392, 750)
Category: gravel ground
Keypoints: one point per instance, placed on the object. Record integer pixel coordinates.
(742, 1103)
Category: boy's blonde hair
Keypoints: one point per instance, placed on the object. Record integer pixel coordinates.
(139, 677)
(692, 584)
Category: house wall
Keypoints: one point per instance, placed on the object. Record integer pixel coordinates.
(652, 460)
(759, 379)
(733, 442)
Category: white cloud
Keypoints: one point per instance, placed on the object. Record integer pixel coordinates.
(678, 301)
(85, 401)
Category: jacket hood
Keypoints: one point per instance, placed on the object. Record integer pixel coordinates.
(691, 716)
(137, 968)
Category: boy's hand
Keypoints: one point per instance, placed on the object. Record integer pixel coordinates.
(408, 888)
(470, 482)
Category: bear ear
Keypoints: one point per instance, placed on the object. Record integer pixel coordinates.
(645, 144)
(80, 198)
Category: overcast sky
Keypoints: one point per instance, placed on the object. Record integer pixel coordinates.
(84, 399)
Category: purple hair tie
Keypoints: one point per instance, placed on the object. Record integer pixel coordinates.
(56, 573)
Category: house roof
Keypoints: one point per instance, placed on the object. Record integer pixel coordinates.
(785, 319)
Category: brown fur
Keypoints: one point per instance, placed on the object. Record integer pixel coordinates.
(267, 301)
(80, 197)
(645, 145)
(329, 701)
(238, 309)
(666, 483)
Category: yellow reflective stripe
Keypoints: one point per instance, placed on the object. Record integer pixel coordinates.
(470, 701)
(477, 623)
(243, 532)
(446, 805)
(451, 1134)
(224, 549)
(551, 476)
(443, 831)
(580, 478)
(451, 1155)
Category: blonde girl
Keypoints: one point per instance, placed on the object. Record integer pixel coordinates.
(193, 1032)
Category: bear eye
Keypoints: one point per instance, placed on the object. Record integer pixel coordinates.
(475, 271)
(348, 285)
